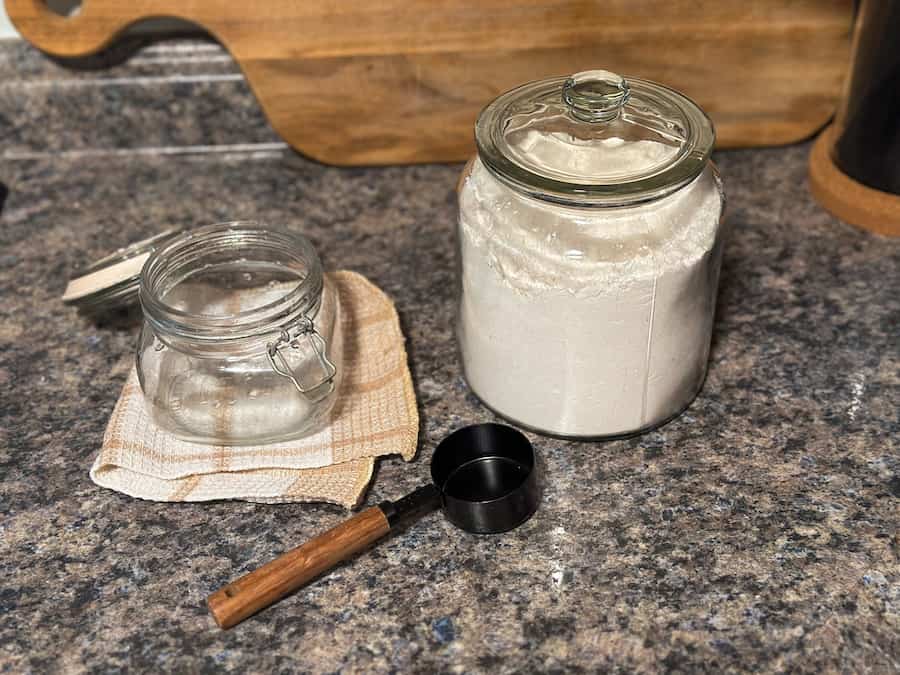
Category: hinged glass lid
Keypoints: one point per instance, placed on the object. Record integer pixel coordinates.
(594, 138)
(113, 281)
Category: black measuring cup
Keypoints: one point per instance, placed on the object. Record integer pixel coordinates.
(484, 477)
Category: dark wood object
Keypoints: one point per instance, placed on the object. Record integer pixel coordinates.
(403, 80)
(254, 591)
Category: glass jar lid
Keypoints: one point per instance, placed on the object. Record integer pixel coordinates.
(594, 138)
(112, 282)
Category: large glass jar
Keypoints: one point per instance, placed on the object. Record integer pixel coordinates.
(241, 341)
(590, 246)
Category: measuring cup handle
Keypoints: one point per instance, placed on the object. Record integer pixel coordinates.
(257, 590)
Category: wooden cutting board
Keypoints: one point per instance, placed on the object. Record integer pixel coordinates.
(388, 81)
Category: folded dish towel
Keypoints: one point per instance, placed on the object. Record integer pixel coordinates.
(375, 415)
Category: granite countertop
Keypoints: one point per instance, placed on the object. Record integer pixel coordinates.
(759, 530)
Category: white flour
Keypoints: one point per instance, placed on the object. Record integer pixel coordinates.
(588, 322)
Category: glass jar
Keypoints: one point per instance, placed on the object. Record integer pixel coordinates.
(241, 341)
(590, 245)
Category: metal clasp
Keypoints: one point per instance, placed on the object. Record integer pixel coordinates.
(304, 330)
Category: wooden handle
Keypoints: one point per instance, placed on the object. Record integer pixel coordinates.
(92, 28)
(257, 590)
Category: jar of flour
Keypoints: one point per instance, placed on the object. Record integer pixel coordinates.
(590, 245)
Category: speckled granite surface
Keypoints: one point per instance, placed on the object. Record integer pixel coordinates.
(757, 531)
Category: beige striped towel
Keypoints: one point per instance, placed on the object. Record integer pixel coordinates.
(376, 416)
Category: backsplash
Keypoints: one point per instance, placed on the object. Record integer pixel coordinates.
(179, 96)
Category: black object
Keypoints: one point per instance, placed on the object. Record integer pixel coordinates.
(868, 122)
(487, 477)
(484, 476)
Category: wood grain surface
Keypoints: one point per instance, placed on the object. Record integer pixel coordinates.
(392, 81)
(254, 591)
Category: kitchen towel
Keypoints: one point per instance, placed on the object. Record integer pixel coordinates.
(375, 415)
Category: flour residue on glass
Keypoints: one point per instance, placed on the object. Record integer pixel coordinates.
(585, 321)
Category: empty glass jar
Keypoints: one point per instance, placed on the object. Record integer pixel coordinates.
(241, 341)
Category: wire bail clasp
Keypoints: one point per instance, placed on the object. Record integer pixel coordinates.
(305, 334)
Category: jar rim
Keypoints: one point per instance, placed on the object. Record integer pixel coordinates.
(241, 237)
(548, 102)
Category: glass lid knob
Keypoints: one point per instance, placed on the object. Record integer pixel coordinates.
(595, 95)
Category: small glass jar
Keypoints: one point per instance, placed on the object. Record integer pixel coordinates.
(241, 341)
(590, 245)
